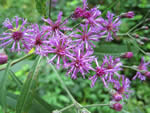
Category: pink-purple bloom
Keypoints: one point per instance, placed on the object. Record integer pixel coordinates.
(15, 34)
(111, 27)
(86, 37)
(122, 86)
(106, 70)
(80, 62)
(142, 67)
(57, 27)
(37, 38)
(60, 46)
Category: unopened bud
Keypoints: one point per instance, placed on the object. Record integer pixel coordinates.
(129, 14)
(3, 58)
(145, 27)
(127, 55)
(147, 74)
(117, 97)
(117, 107)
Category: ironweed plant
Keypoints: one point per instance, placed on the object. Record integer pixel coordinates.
(73, 49)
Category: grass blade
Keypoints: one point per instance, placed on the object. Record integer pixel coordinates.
(3, 81)
(25, 98)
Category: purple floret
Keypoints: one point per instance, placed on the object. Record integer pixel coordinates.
(15, 34)
(142, 67)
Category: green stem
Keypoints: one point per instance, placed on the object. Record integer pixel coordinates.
(16, 61)
(95, 105)
(67, 107)
(61, 81)
(131, 67)
(136, 45)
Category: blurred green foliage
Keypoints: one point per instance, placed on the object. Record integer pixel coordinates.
(48, 86)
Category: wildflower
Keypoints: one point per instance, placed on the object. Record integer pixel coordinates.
(113, 65)
(15, 35)
(55, 28)
(60, 47)
(100, 72)
(142, 67)
(127, 55)
(79, 12)
(122, 86)
(117, 97)
(37, 38)
(80, 62)
(86, 37)
(3, 58)
(110, 26)
(117, 106)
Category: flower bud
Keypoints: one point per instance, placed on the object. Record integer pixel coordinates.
(145, 27)
(127, 55)
(117, 107)
(117, 97)
(147, 74)
(129, 14)
(3, 58)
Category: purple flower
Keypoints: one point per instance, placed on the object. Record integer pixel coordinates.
(37, 38)
(55, 28)
(122, 86)
(110, 26)
(79, 12)
(106, 71)
(142, 67)
(100, 71)
(80, 62)
(85, 37)
(15, 34)
(92, 17)
(59, 46)
(113, 65)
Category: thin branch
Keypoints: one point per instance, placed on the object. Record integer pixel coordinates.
(67, 107)
(2, 67)
(95, 105)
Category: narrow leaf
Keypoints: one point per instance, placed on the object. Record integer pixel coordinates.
(25, 98)
(3, 82)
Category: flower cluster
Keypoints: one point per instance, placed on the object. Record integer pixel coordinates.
(75, 51)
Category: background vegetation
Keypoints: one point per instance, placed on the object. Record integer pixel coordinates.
(48, 87)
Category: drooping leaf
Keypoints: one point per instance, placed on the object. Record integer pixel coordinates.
(3, 93)
(25, 99)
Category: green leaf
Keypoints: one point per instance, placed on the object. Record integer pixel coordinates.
(3, 82)
(25, 98)
(19, 83)
(113, 49)
(41, 6)
(42, 105)
(38, 105)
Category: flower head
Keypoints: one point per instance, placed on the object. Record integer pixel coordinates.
(85, 37)
(110, 26)
(55, 28)
(15, 34)
(59, 46)
(80, 62)
(37, 38)
(122, 86)
(142, 67)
